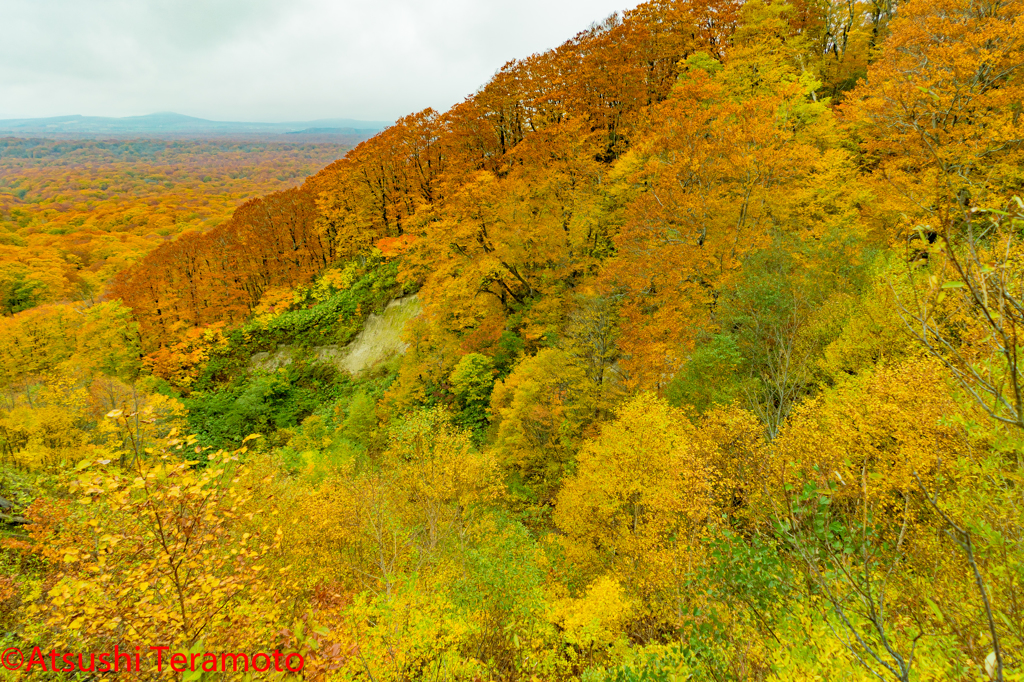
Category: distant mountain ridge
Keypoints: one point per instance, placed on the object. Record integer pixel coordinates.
(172, 124)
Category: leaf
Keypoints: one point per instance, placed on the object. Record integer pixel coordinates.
(935, 610)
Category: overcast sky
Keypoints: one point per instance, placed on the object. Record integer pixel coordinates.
(268, 60)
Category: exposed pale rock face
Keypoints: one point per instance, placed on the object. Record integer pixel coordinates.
(380, 339)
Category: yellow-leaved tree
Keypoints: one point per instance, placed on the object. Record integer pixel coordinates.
(157, 556)
(539, 412)
(637, 508)
(851, 475)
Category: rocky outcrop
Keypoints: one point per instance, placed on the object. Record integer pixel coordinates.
(380, 339)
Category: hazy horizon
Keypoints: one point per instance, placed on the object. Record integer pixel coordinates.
(155, 114)
(171, 125)
(260, 61)
(248, 119)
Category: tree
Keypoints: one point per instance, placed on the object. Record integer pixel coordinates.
(845, 486)
(219, 276)
(938, 117)
(441, 471)
(637, 507)
(19, 294)
(156, 553)
(107, 342)
(738, 158)
(969, 312)
(472, 381)
(362, 418)
(540, 412)
(968, 315)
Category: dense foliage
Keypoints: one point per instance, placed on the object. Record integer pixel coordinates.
(716, 377)
(73, 213)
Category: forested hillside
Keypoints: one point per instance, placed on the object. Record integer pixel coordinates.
(73, 213)
(715, 376)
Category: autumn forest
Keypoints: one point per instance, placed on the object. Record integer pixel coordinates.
(685, 350)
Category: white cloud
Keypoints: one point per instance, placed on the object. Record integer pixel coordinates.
(265, 59)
